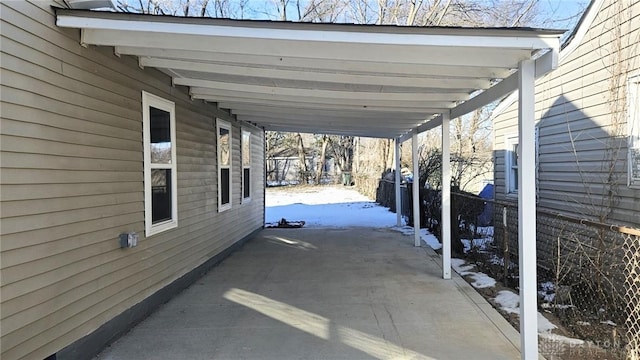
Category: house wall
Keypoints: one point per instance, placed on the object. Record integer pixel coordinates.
(72, 181)
(582, 120)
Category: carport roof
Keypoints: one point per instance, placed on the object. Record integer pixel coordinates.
(365, 80)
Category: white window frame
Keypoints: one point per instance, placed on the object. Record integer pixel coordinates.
(511, 183)
(221, 124)
(633, 102)
(150, 100)
(246, 140)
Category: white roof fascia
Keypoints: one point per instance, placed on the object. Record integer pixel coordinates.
(329, 50)
(535, 41)
(564, 53)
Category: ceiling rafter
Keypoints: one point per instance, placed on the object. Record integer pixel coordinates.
(208, 68)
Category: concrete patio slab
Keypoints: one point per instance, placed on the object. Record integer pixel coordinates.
(324, 294)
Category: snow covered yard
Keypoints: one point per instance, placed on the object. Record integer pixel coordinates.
(334, 207)
(325, 206)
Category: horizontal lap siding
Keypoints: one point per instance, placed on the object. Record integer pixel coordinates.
(72, 180)
(574, 112)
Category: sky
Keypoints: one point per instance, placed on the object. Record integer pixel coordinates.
(565, 13)
(562, 14)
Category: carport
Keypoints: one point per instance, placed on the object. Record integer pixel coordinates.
(377, 81)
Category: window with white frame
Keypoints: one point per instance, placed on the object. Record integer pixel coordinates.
(160, 170)
(511, 164)
(633, 90)
(246, 165)
(223, 131)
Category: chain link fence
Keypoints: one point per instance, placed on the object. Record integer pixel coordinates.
(588, 275)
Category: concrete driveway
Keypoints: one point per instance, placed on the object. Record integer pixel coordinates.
(324, 294)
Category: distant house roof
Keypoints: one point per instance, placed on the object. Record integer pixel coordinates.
(366, 80)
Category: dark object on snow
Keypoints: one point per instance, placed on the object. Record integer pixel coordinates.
(283, 223)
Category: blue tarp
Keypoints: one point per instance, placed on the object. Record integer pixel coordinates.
(486, 217)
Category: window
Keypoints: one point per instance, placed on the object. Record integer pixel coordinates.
(512, 162)
(511, 165)
(246, 166)
(223, 129)
(160, 182)
(634, 131)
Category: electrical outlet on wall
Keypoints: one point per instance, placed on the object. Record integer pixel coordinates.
(128, 240)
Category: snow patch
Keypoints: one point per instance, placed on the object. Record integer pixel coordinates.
(425, 236)
(482, 280)
(479, 244)
(510, 302)
(461, 266)
(562, 339)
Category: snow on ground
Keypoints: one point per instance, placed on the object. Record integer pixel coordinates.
(480, 280)
(425, 236)
(326, 206)
(336, 207)
(510, 302)
(480, 244)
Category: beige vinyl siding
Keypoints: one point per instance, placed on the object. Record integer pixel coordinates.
(574, 116)
(72, 180)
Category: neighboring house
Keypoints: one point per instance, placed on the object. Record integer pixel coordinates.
(93, 146)
(588, 117)
(285, 170)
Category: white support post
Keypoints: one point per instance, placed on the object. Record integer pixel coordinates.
(527, 212)
(416, 187)
(397, 183)
(446, 198)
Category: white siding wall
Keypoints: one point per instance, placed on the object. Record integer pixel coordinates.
(72, 180)
(573, 108)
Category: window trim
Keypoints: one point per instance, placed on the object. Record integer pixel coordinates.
(246, 199)
(157, 102)
(511, 188)
(633, 124)
(509, 141)
(221, 124)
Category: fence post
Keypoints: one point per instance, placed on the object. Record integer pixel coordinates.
(416, 188)
(505, 247)
(396, 184)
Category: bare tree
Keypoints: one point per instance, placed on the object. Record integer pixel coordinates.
(324, 142)
(342, 148)
(303, 171)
